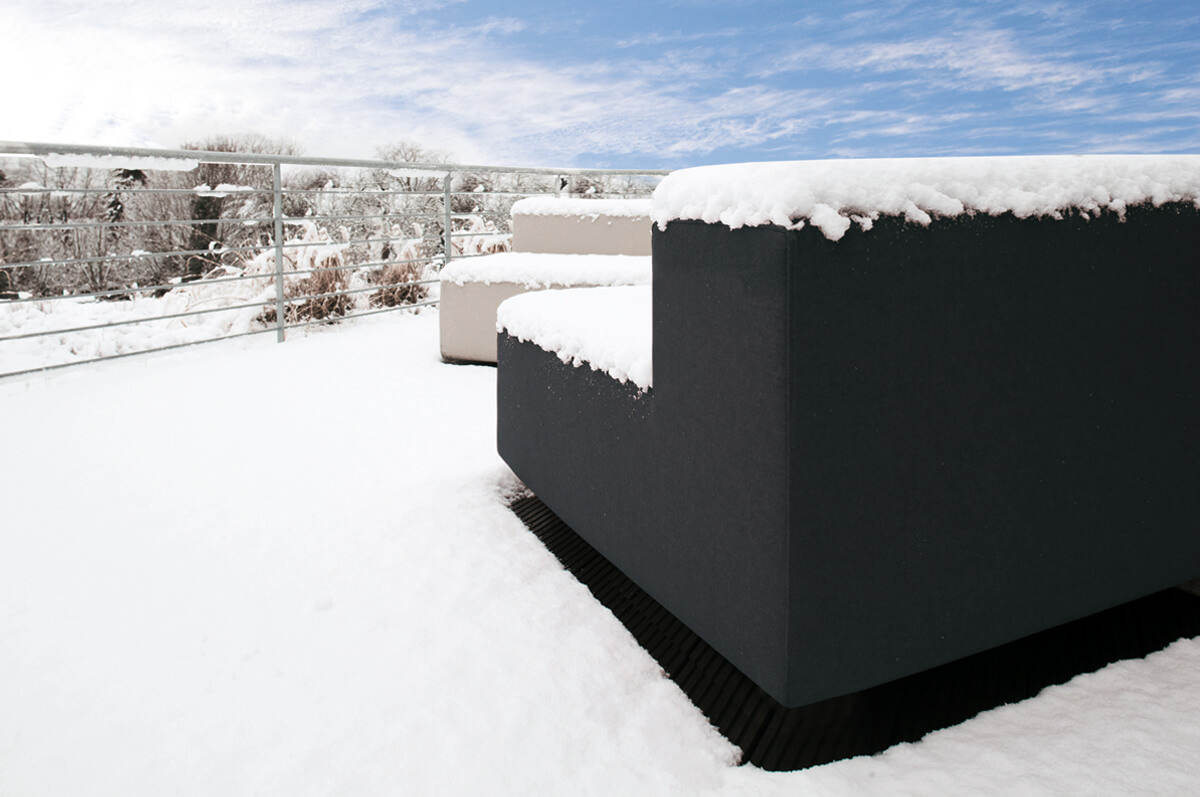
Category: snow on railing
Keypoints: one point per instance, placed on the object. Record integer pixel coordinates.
(109, 252)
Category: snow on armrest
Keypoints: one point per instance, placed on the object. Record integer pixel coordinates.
(607, 328)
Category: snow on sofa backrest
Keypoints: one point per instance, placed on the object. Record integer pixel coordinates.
(831, 195)
(582, 226)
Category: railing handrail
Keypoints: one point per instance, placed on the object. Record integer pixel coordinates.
(40, 149)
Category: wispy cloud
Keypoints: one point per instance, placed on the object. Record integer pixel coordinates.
(975, 61)
(657, 39)
(755, 80)
(505, 25)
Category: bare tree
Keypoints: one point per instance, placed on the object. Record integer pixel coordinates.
(210, 209)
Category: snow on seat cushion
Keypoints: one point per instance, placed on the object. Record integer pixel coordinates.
(473, 288)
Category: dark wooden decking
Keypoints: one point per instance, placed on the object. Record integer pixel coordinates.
(777, 738)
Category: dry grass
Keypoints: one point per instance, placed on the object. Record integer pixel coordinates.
(318, 306)
(397, 288)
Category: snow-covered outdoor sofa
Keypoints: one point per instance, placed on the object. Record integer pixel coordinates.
(557, 243)
(898, 411)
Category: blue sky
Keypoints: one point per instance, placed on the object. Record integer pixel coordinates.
(614, 84)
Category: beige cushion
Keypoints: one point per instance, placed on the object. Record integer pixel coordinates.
(467, 318)
(588, 232)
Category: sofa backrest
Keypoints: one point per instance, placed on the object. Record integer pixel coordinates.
(582, 226)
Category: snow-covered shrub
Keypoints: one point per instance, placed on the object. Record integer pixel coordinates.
(315, 274)
(484, 240)
(325, 298)
(398, 289)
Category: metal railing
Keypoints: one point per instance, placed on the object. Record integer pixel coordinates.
(110, 252)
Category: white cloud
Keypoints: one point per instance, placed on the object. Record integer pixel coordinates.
(142, 73)
(656, 39)
(341, 85)
(342, 78)
(500, 25)
(971, 60)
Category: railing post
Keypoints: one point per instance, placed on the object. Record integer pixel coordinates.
(446, 220)
(277, 216)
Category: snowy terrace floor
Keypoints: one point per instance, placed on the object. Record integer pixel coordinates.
(249, 568)
(870, 721)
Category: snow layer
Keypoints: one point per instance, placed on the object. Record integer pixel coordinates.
(609, 329)
(440, 174)
(554, 206)
(540, 270)
(61, 160)
(224, 189)
(831, 194)
(285, 569)
(289, 570)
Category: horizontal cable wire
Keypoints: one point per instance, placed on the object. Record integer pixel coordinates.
(349, 292)
(265, 303)
(100, 225)
(234, 220)
(213, 192)
(328, 320)
(130, 321)
(41, 189)
(267, 275)
(122, 355)
(270, 328)
(480, 234)
(146, 288)
(225, 250)
(38, 149)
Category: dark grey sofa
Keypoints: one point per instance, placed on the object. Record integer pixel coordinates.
(864, 458)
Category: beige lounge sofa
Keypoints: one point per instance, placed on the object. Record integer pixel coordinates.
(557, 243)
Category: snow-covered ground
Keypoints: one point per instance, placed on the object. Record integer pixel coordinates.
(57, 347)
(246, 568)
